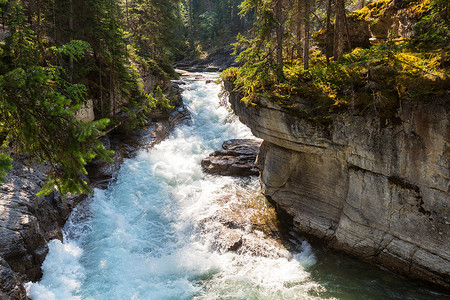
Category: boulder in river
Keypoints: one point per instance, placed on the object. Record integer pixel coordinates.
(246, 223)
(236, 158)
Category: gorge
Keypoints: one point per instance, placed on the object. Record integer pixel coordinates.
(158, 233)
(316, 165)
(362, 183)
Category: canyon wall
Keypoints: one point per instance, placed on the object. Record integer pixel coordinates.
(376, 189)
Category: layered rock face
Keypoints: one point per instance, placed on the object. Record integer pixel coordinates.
(379, 190)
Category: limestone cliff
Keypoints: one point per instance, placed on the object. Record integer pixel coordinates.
(379, 190)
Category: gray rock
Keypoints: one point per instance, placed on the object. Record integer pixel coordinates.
(218, 61)
(28, 222)
(376, 190)
(12, 288)
(237, 158)
(245, 224)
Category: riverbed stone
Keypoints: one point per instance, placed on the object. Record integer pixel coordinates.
(236, 158)
(28, 222)
(245, 224)
(221, 59)
(375, 188)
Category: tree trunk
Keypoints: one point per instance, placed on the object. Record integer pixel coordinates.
(339, 28)
(54, 21)
(128, 16)
(300, 27)
(232, 26)
(347, 33)
(279, 33)
(71, 37)
(307, 25)
(100, 81)
(190, 17)
(329, 40)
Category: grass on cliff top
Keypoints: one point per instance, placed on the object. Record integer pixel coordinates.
(378, 76)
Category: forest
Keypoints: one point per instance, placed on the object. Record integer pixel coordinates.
(56, 55)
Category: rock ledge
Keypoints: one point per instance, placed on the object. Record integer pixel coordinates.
(236, 158)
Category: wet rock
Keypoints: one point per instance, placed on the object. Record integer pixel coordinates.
(28, 222)
(245, 224)
(236, 158)
(216, 61)
(11, 287)
(212, 69)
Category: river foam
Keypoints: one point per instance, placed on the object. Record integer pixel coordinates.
(140, 238)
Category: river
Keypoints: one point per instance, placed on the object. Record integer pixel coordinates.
(142, 237)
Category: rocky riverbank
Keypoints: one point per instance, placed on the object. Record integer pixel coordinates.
(28, 222)
(378, 190)
(217, 61)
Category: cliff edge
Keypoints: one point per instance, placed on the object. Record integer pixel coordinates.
(376, 189)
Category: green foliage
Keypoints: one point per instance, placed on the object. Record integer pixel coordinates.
(378, 77)
(39, 118)
(371, 10)
(151, 24)
(256, 51)
(208, 24)
(37, 105)
(157, 100)
(20, 44)
(433, 30)
(58, 54)
(74, 49)
(5, 164)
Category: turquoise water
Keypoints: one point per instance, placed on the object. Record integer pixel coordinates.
(142, 239)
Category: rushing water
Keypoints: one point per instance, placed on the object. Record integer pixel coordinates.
(141, 238)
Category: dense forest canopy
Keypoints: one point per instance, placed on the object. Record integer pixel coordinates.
(56, 55)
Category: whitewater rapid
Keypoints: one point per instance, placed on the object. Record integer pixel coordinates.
(140, 238)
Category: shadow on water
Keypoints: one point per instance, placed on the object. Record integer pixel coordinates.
(347, 278)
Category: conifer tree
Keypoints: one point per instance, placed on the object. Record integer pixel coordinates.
(151, 24)
(37, 106)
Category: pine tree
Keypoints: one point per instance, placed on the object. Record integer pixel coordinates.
(37, 106)
(151, 24)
